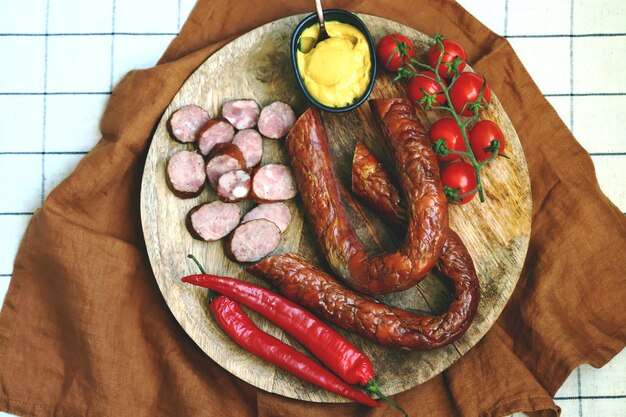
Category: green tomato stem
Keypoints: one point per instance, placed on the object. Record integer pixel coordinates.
(462, 125)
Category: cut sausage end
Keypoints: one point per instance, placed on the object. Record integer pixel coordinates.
(276, 120)
(273, 183)
(253, 241)
(233, 186)
(214, 132)
(277, 213)
(224, 158)
(185, 174)
(185, 123)
(243, 114)
(213, 221)
(251, 144)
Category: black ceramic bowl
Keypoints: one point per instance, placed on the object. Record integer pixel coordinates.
(342, 16)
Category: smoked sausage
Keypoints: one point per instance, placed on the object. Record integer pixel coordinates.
(233, 186)
(224, 157)
(272, 183)
(277, 213)
(214, 132)
(243, 113)
(308, 286)
(252, 241)
(185, 123)
(185, 174)
(418, 175)
(212, 221)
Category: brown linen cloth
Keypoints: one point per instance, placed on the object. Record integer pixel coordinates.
(85, 332)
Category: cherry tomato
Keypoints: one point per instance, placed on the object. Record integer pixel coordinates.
(458, 178)
(417, 84)
(449, 130)
(465, 92)
(389, 51)
(481, 139)
(451, 50)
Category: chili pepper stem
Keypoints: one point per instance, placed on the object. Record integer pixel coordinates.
(212, 294)
(374, 388)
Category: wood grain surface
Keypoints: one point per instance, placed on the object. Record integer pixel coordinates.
(257, 65)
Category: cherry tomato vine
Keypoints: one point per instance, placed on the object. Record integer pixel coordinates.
(430, 101)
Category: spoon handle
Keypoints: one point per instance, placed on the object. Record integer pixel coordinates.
(320, 13)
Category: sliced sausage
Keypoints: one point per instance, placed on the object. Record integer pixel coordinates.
(224, 158)
(251, 145)
(213, 221)
(276, 120)
(233, 186)
(243, 114)
(185, 174)
(185, 123)
(215, 131)
(253, 240)
(272, 183)
(277, 213)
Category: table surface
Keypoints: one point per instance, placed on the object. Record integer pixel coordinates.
(572, 48)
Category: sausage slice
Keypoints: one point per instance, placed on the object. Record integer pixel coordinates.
(272, 183)
(224, 158)
(243, 114)
(185, 123)
(233, 186)
(251, 145)
(277, 213)
(185, 174)
(253, 240)
(276, 120)
(213, 221)
(215, 131)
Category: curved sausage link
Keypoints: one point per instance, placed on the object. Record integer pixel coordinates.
(376, 188)
(418, 172)
(306, 285)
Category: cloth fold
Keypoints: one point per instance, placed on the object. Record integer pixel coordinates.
(85, 331)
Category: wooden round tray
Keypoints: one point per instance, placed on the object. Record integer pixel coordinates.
(257, 65)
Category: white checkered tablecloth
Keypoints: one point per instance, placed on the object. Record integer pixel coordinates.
(69, 54)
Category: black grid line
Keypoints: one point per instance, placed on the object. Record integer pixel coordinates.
(112, 33)
(567, 35)
(112, 41)
(44, 153)
(18, 213)
(571, 127)
(579, 389)
(45, 108)
(78, 93)
(86, 152)
(592, 397)
(506, 17)
(620, 94)
(178, 16)
(55, 93)
(506, 35)
(571, 67)
(5, 275)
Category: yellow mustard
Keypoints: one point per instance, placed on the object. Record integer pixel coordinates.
(337, 71)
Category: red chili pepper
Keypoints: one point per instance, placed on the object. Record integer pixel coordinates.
(246, 334)
(234, 321)
(332, 349)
